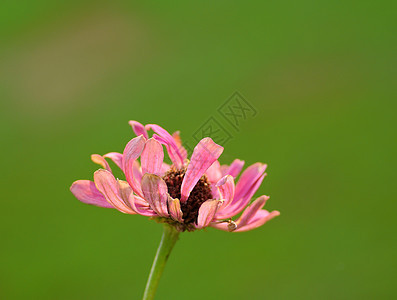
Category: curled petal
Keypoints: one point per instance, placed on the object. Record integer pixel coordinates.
(131, 152)
(116, 157)
(100, 160)
(155, 191)
(138, 129)
(152, 157)
(168, 140)
(86, 192)
(174, 207)
(110, 188)
(207, 212)
(235, 168)
(204, 155)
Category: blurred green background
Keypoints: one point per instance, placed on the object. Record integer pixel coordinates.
(321, 76)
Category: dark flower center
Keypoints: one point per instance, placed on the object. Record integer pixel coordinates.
(200, 193)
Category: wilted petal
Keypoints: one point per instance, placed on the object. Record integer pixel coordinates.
(86, 192)
(131, 152)
(204, 155)
(235, 168)
(138, 128)
(100, 160)
(116, 157)
(168, 140)
(155, 192)
(207, 212)
(109, 187)
(174, 207)
(152, 157)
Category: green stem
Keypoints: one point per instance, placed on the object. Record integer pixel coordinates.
(168, 240)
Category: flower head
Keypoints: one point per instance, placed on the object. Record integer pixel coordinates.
(189, 194)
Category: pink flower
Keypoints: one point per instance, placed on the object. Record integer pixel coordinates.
(187, 194)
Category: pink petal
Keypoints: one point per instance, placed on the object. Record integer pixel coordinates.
(166, 138)
(165, 168)
(249, 213)
(207, 212)
(155, 191)
(248, 179)
(178, 141)
(171, 152)
(131, 152)
(174, 207)
(116, 157)
(138, 128)
(109, 187)
(86, 192)
(152, 157)
(235, 168)
(137, 171)
(237, 206)
(100, 160)
(204, 155)
(246, 187)
(226, 192)
(260, 218)
(214, 172)
(140, 206)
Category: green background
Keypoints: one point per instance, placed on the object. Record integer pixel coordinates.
(320, 75)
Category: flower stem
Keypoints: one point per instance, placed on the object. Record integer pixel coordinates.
(168, 240)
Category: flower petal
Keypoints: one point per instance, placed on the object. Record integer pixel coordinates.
(140, 206)
(110, 188)
(131, 152)
(178, 141)
(237, 206)
(155, 191)
(116, 157)
(100, 160)
(166, 138)
(207, 212)
(204, 155)
(152, 157)
(235, 168)
(246, 187)
(138, 128)
(260, 218)
(248, 179)
(174, 207)
(86, 192)
(226, 192)
(214, 172)
(251, 210)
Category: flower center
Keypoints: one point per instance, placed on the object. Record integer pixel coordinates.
(200, 193)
